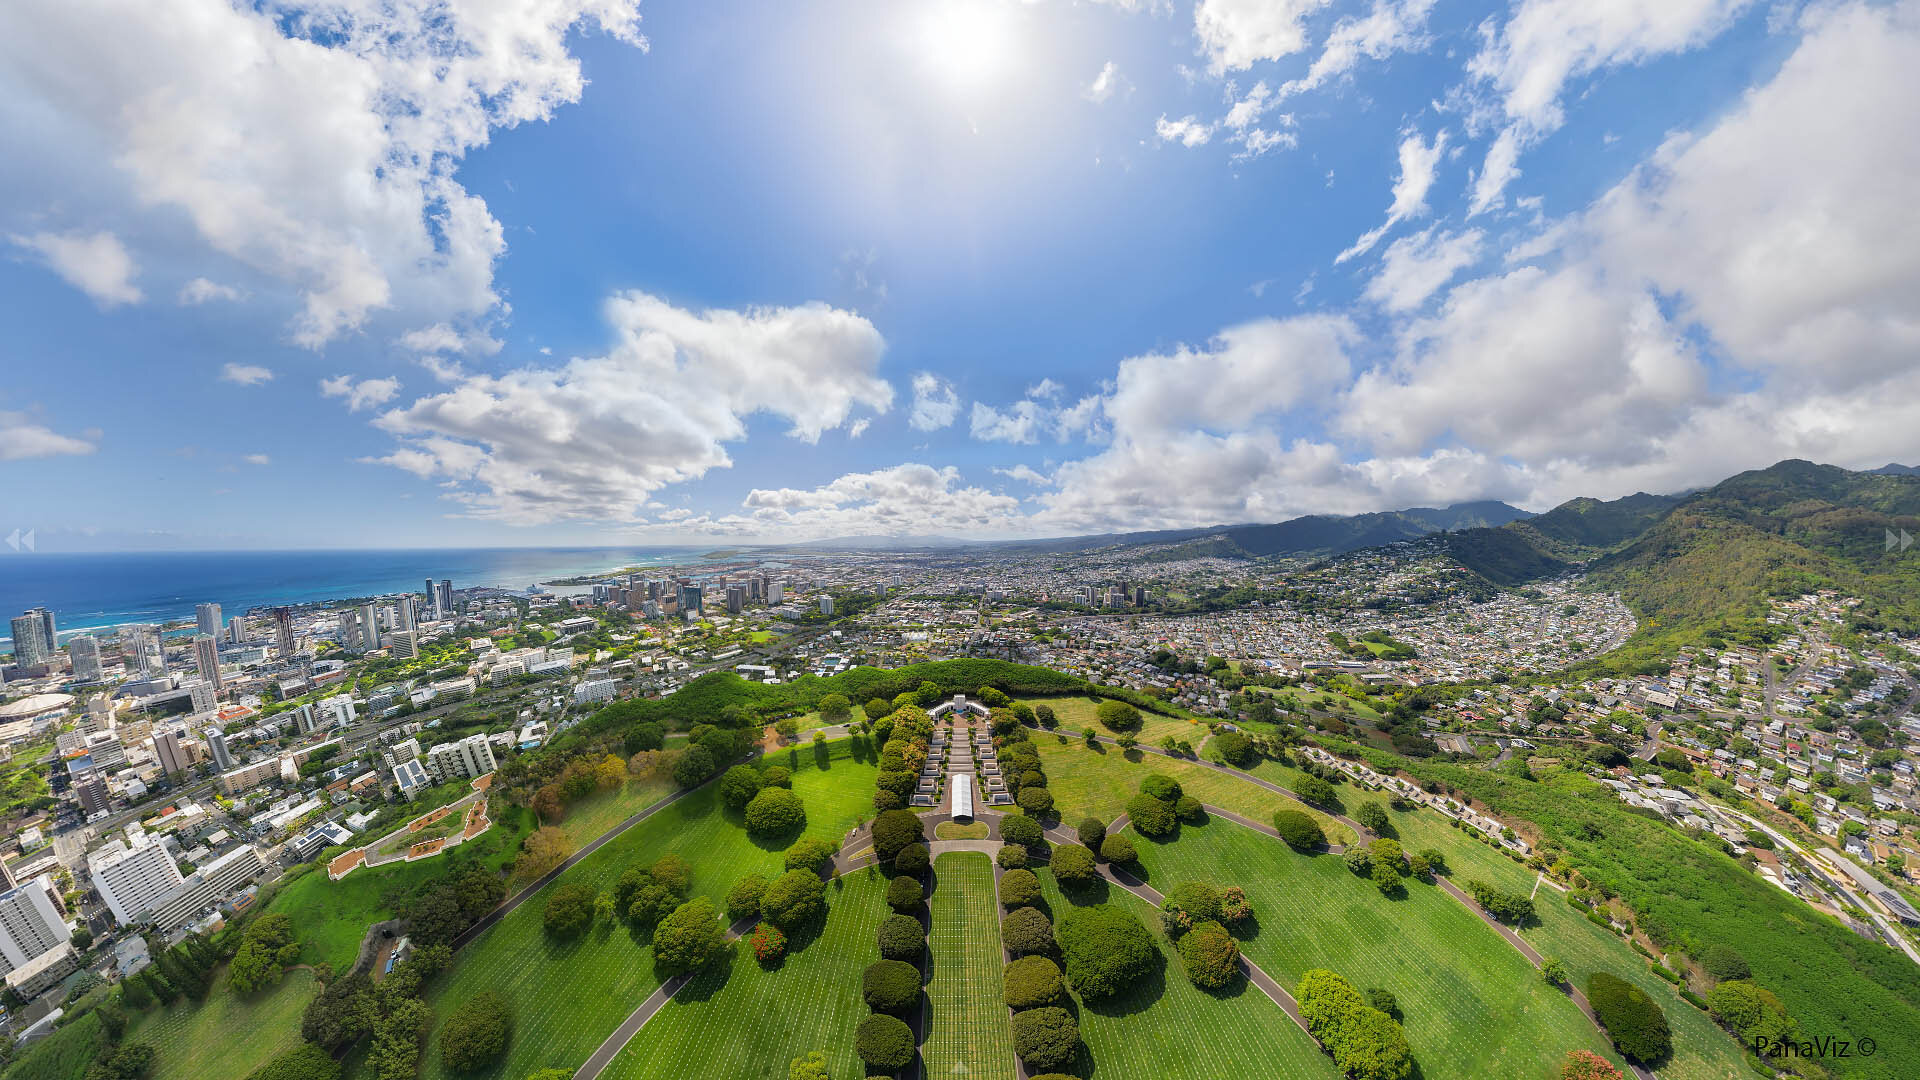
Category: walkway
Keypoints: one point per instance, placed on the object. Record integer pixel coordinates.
(637, 1019)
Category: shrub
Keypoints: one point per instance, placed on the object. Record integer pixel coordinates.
(1723, 963)
(1150, 817)
(812, 1066)
(1386, 875)
(1118, 716)
(1046, 1038)
(1751, 1011)
(912, 860)
(1073, 866)
(890, 986)
(1019, 888)
(476, 1032)
(1210, 955)
(1024, 831)
(1031, 982)
(1299, 830)
(743, 900)
(1384, 1000)
(569, 910)
(1036, 801)
(794, 898)
(895, 829)
(769, 944)
(1091, 831)
(809, 853)
(688, 937)
(884, 1042)
(884, 800)
(739, 785)
(902, 938)
(1106, 949)
(1508, 907)
(651, 904)
(1188, 808)
(1196, 898)
(1160, 786)
(1027, 932)
(1587, 1065)
(694, 766)
(1234, 905)
(1011, 857)
(775, 812)
(1635, 1023)
(1118, 848)
(904, 894)
(1373, 817)
(1358, 859)
(303, 1062)
(1314, 790)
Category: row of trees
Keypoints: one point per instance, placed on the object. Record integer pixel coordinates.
(1364, 1041)
(1160, 806)
(1196, 916)
(890, 986)
(392, 1015)
(1510, 907)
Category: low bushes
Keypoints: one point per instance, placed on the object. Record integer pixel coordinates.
(890, 986)
(1046, 1038)
(1031, 982)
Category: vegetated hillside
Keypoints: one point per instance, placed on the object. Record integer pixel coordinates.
(1322, 535)
(1574, 531)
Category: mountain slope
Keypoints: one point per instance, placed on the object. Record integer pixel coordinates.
(1551, 543)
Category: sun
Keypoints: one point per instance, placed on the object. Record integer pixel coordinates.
(968, 45)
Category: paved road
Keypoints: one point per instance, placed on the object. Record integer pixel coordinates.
(637, 1019)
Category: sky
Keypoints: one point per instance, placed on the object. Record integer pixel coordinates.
(388, 273)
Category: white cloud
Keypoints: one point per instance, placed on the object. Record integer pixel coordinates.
(859, 427)
(21, 437)
(1245, 372)
(97, 264)
(1387, 29)
(1415, 267)
(1419, 161)
(935, 405)
(318, 146)
(1020, 423)
(438, 338)
(1108, 83)
(595, 438)
(1187, 131)
(258, 459)
(1244, 118)
(362, 394)
(1499, 169)
(1038, 414)
(899, 500)
(202, 291)
(1026, 474)
(1235, 34)
(245, 374)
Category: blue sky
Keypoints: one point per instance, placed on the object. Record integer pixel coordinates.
(311, 275)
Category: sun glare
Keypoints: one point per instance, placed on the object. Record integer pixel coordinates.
(967, 45)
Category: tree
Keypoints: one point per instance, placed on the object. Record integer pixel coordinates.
(1315, 790)
(1383, 999)
(1210, 955)
(1118, 849)
(884, 1042)
(1635, 1023)
(1161, 786)
(890, 986)
(739, 785)
(1299, 830)
(694, 767)
(688, 937)
(1044, 715)
(1015, 829)
(1554, 971)
(1196, 898)
(1724, 963)
(1366, 1043)
(812, 1066)
(569, 910)
(902, 938)
(1106, 949)
(265, 950)
(835, 708)
(895, 829)
(1074, 867)
(775, 812)
(1027, 932)
(776, 776)
(1235, 908)
(1118, 716)
(905, 893)
(1751, 1011)
(304, 1062)
(1233, 747)
(1046, 1038)
(1091, 831)
(1031, 982)
(1149, 816)
(1019, 888)
(912, 860)
(793, 899)
(1587, 1065)
(476, 1032)
(809, 853)
(1373, 817)
(768, 943)
(743, 900)
(1385, 875)
(340, 1015)
(1036, 801)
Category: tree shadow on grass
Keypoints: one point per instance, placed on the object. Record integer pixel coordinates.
(709, 980)
(1097, 891)
(1246, 929)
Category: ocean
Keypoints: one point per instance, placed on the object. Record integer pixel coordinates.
(88, 591)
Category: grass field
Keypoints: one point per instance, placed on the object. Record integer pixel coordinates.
(63, 1055)
(1077, 714)
(953, 830)
(967, 1032)
(1170, 1029)
(1463, 989)
(569, 996)
(1099, 781)
(601, 811)
(226, 1037)
(742, 1020)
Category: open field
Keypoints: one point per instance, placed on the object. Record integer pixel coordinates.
(1099, 781)
(953, 830)
(569, 996)
(63, 1055)
(741, 1020)
(603, 810)
(967, 1033)
(1463, 989)
(226, 1037)
(1077, 714)
(1168, 1028)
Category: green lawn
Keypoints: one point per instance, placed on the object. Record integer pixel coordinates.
(739, 1019)
(63, 1055)
(601, 811)
(967, 1032)
(1099, 781)
(1077, 714)
(227, 1037)
(1169, 1029)
(569, 996)
(1464, 990)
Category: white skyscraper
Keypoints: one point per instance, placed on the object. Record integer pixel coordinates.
(237, 629)
(130, 879)
(409, 613)
(140, 644)
(206, 619)
(28, 648)
(217, 746)
(30, 924)
(206, 656)
(369, 627)
(84, 651)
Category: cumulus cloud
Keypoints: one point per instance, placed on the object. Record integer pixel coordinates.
(935, 404)
(1108, 83)
(1387, 29)
(362, 394)
(245, 374)
(317, 143)
(1038, 414)
(1026, 474)
(202, 291)
(898, 500)
(593, 439)
(1236, 34)
(1415, 267)
(1188, 131)
(96, 263)
(1243, 121)
(22, 437)
(1419, 162)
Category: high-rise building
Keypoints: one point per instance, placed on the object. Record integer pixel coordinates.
(140, 643)
(826, 605)
(30, 924)
(237, 629)
(217, 746)
(403, 645)
(202, 697)
(347, 629)
(409, 613)
(433, 600)
(443, 600)
(29, 648)
(49, 637)
(84, 652)
(90, 788)
(170, 752)
(283, 631)
(776, 592)
(206, 619)
(305, 718)
(130, 879)
(736, 598)
(471, 756)
(206, 656)
(99, 715)
(690, 601)
(369, 627)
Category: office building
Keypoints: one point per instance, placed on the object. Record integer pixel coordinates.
(369, 627)
(443, 599)
(140, 644)
(31, 924)
(29, 648)
(206, 887)
(736, 598)
(206, 657)
(471, 756)
(237, 629)
(826, 605)
(776, 592)
(131, 879)
(403, 645)
(217, 746)
(690, 597)
(347, 631)
(206, 619)
(283, 631)
(84, 652)
(409, 609)
(170, 750)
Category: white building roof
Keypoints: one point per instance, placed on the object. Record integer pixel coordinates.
(963, 795)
